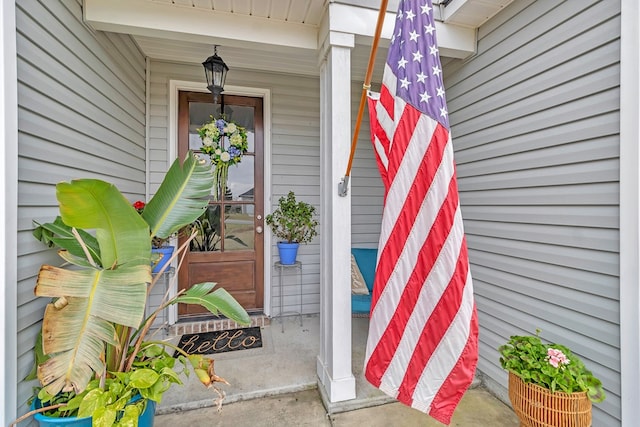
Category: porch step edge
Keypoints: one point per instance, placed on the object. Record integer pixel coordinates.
(240, 397)
(368, 401)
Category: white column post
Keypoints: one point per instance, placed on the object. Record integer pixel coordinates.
(629, 212)
(8, 213)
(334, 360)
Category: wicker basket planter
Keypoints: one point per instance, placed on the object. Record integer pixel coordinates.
(538, 407)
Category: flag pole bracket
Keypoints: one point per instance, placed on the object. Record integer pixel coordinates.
(343, 187)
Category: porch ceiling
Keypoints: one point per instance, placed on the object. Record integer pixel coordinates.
(274, 35)
(467, 13)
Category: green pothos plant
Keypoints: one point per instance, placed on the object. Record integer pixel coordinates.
(93, 355)
(551, 366)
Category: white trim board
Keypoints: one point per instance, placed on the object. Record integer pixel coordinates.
(629, 212)
(8, 213)
(180, 85)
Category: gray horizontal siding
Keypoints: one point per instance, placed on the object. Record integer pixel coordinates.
(295, 153)
(535, 128)
(81, 113)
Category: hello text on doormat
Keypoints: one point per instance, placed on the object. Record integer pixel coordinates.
(221, 341)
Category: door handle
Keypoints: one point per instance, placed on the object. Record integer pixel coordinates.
(259, 230)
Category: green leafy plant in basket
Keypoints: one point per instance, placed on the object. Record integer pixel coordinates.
(551, 366)
(93, 356)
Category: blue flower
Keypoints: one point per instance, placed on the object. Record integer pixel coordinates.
(234, 152)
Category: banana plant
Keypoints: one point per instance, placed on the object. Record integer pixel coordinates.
(95, 325)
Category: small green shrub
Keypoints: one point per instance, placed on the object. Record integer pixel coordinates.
(293, 221)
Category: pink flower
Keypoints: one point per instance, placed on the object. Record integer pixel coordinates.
(556, 357)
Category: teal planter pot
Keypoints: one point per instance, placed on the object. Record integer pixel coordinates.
(44, 421)
(144, 420)
(166, 252)
(288, 252)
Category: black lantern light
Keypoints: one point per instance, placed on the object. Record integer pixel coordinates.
(215, 71)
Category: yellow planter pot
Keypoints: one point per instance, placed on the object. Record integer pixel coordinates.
(538, 407)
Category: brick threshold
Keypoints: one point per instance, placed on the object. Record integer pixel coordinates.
(211, 325)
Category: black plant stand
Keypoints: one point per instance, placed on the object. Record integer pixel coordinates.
(281, 269)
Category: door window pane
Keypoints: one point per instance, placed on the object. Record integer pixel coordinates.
(242, 116)
(208, 238)
(239, 231)
(199, 114)
(240, 180)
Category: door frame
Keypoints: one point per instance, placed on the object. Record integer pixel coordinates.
(176, 86)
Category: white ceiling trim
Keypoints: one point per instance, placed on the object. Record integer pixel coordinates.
(164, 20)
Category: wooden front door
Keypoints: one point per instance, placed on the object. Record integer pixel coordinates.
(229, 247)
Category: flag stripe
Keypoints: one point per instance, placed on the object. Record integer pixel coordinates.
(379, 140)
(400, 143)
(395, 196)
(452, 390)
(431, 293)
(423, 220)
(432, 379)
(441, 315)
(387, 102)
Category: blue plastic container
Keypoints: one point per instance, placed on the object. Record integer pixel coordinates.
(288, 252)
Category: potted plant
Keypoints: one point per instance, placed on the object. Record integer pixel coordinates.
(161, 249)
(293, 223)
(548, 384)
(93, 360)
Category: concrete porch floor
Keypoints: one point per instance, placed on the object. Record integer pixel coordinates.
(276, 385)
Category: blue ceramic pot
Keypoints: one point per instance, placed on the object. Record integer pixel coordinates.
(166, 252)
(144, 420)
(288, 252)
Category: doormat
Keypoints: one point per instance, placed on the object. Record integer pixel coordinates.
(221, 341)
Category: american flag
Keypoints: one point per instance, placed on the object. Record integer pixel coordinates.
(422, 346)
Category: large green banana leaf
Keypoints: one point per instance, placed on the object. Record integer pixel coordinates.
(218, 301)
(77, 326)
(57, 233)
(182, 197)
(123, 236)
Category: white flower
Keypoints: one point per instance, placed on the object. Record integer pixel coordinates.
(225, 157)
(207, 141)
(218, 152)
(231, 128)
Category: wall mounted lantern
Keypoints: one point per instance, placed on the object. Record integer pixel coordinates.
(215, 71)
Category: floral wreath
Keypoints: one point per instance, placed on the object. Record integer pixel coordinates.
(213, 135)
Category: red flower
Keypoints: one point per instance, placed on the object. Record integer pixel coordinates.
(139, 205)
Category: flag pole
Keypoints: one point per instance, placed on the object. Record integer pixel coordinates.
(344, 183)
